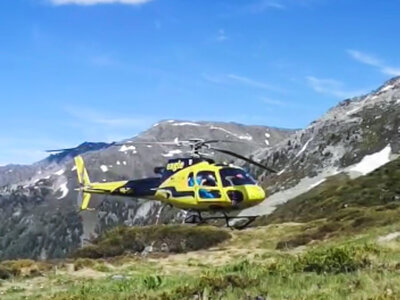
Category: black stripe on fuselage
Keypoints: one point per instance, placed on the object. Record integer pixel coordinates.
(178, 194)
(139, 188)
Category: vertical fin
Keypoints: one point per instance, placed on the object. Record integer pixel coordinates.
(83, 178)
(85, 201)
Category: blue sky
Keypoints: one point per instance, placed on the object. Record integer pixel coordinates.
(103, 70)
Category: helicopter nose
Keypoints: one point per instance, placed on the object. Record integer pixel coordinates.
(256, 193)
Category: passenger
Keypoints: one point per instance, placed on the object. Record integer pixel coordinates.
(191, 181)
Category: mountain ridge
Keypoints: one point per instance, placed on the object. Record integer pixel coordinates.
(28, 201)
(354, 137)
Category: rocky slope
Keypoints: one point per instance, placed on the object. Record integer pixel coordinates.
(355, 137)
(38, 213)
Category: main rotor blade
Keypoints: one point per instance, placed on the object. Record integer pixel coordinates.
(245, 159)
(115, 144)
(222, 141)
(147, 143)
(177, 143)
(60, 150)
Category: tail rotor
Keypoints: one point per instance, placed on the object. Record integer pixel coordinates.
(84, 182)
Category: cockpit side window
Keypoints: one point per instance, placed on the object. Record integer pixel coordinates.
(191, 180)
(235, 177)
(206, 178)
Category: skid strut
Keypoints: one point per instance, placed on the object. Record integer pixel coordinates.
(197, 218)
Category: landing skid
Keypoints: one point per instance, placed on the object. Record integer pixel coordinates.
(198, 219)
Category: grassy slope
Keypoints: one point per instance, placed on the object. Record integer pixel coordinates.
(342, 207)
(340, 196)
(346, 252)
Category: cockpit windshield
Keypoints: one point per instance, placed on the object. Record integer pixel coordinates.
(234, 177)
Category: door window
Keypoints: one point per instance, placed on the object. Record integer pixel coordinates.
(206, 178)
(207, 181)
(235, 177)
(191, 180)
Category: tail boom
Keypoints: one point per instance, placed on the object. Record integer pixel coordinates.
(87, 188)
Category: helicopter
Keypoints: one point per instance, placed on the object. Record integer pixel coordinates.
(195, 183)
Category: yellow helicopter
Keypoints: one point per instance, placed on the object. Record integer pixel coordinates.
(196, 183)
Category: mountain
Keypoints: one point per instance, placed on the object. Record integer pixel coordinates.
(38, 209)
(354, 138)
(38, 202)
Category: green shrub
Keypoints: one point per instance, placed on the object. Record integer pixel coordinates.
(134, 239)
(294, 242)
(90, 251)
(317, 234)
(102, 268)
(342, 259)
(238, 267)
(5, 273)
(22, 268)
(282, 266)
(152, 282)
(83, 263)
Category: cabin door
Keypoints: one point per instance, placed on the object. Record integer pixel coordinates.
(207, 186)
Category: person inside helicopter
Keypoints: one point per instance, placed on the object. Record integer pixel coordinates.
(235, 177)
(207, 179)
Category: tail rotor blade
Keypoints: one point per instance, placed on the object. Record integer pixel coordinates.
(79, 200)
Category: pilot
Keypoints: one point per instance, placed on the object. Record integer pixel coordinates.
(207, 181)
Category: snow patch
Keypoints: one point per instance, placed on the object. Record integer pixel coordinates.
(267, 135)
(126, 148)
(247, 137)
(267, 142)
(60, 172)
(317, 183)
(386, 88)
(304, 148)
(124, 163)
(172, 153)
(104, 168)
(398, 101)
(371, 162)
(223, 129)
(64, 190)
(73, 168)
(242, 137)
(281, 172)
(353, 111)
(186, 124)
(118, 163)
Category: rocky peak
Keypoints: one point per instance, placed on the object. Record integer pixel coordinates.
(354, 137)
